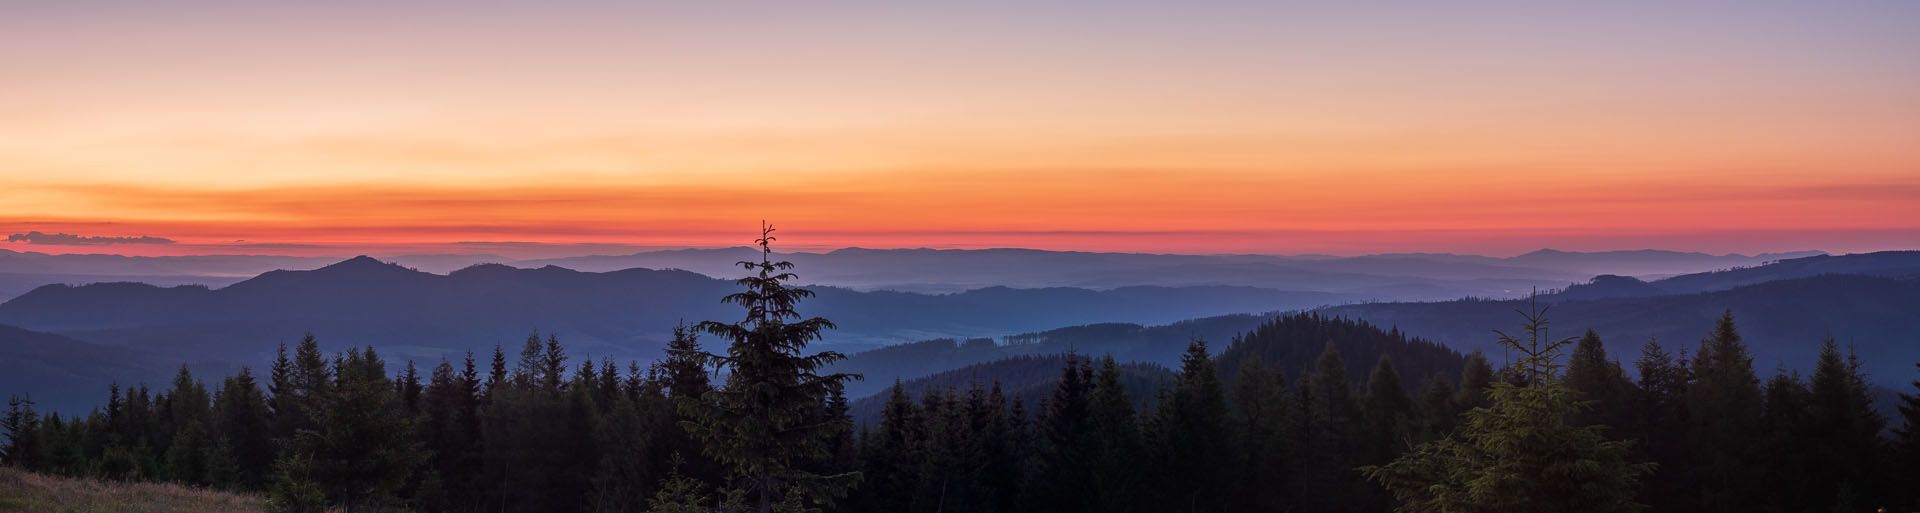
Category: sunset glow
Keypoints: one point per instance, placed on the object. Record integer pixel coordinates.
(1104, 127)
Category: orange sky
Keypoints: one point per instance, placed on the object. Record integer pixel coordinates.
(1487, 128)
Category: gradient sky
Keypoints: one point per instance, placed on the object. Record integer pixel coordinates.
(1492, 128)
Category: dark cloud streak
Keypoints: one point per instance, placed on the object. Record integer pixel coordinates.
(68, 239)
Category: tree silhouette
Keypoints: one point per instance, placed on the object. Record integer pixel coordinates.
(758, 422)
(1521, 453)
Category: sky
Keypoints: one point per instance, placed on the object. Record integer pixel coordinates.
(159, 128)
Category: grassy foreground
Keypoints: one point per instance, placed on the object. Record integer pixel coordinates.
(22, 491)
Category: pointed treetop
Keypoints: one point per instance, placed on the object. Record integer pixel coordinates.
(766, 242)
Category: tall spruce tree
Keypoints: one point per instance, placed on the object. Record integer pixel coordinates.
(283, 400)
(1330, 418)
(1724, 407)
(888, 454)
(243, 421)
(946, 455)
(361, 454)
(1117, 441)
(1522, 452)
(1066, 444)
(1192, 436)
(758, 423)
(1843, 439)
(625, 475)
(1435, 412)
(1386, 410)
(1265, 411)
(1600, 383)
(22, 426)
(1658, 421)
(1907, 448)
(1007, 443)
(1784, 420)
(450, 432)
(685, 379)
(1476, 376)
(190, 413)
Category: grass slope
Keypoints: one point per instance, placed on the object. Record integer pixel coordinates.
(22, 491)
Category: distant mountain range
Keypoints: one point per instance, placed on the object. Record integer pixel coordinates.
(1388, 277)
(1405, 276)
(1784, 307)
(623, 314)
(1871, 301)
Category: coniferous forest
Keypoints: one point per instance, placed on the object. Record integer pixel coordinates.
(739, 415)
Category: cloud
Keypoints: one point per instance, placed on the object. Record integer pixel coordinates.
(68, 239)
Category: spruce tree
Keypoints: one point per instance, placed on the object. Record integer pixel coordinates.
(1521, 453)
(1784, 422)
(527, 449)
(1600, 383)
(299, 387)
(1192, 436)
(1724, 407)
(1659, 422)
(1066, 444)
(1387, 411)
(1264, 408)
(497, 370)
(407, 387)
(1006, 443)
(945, 467)
(283, 400)
(1476, 376)
(1435, 412)
(190, 413)
(448, 432)
(1907, 448)
(577, 460)
(22, 426)
(757, 423)
(1330, 419)
(888, 454)
(1117, 441)
(686, 383)
(623, 480)
(243, 424)
(1843, 439)
(361, 454)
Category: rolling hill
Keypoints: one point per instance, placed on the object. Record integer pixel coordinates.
(1782, 321)
(621, 314)
(1290, 343)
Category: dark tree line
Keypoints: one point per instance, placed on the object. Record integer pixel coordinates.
(756, 427)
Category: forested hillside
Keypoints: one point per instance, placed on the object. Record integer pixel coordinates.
(1290, 344)
(1025, 379)
(1126, 342)
(1302, 412)
(67, 375)
(1786, 320)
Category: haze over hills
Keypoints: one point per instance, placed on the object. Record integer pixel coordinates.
(623, 314)
(1408, 276)
(1385, 277)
